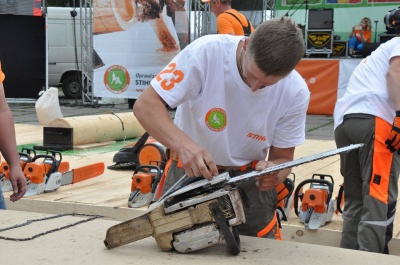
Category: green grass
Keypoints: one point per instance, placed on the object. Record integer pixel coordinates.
(90, 151)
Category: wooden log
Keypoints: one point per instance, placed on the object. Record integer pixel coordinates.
(112, 15)
(101, 128)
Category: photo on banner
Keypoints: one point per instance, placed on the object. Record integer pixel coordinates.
(133, 42)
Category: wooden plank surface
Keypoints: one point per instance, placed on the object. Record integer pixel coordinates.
(109, 192)
(83, 244)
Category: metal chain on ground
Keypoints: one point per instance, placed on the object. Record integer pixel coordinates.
(28, 222)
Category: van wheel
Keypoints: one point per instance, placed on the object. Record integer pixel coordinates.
(72, 87)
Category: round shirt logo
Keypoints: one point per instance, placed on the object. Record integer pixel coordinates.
(216, 119)
(116, 79)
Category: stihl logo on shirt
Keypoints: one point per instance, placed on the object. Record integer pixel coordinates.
(169, 77)
(216, 119)
(257, 137)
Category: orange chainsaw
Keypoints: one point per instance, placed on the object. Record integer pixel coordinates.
(47, 173)
(25, 156)
(317, 205)
(144, 183)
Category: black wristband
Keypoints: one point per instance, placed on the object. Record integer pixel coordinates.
(398, 113)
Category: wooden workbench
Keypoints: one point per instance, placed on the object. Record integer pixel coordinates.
(107, 195)
(83, 244)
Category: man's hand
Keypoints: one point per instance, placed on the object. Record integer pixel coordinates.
(393, 141)
(198, 161)
(18, 183)
(268, 181)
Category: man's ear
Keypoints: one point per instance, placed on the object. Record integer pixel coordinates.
(246, 41)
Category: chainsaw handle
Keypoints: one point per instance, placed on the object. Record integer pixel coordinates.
(304, 182)
(147, 167)
(55, 154)
(28, 151)
(25, 157)
(139, 144)
(323, 176)
(52, 158)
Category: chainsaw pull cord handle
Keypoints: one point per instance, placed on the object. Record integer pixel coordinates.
(304, 182)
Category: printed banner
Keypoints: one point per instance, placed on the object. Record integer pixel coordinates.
(322, 80)
(21, 7)
(133, 42)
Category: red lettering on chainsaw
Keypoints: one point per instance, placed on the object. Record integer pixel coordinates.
(257, 137)
(169, 84)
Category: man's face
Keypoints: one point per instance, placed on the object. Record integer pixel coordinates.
(214, 6)
(254, 77)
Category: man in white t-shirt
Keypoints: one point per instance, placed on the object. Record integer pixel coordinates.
(240, 106)
(369, 113)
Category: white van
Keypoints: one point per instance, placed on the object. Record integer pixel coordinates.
(64, 50)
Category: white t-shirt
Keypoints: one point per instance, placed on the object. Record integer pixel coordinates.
(221, 113)
(367, 90)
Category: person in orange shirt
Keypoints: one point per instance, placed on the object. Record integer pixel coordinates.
(229, 20)
(359, 35)
(8, 148)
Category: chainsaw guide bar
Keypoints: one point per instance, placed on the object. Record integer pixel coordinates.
(295, 163)
(183, 219)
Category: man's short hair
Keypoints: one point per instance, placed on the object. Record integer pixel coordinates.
(276, 46)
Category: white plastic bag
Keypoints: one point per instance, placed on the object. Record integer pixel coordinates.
(47, 106)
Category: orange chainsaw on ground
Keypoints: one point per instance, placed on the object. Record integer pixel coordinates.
(144, 183)
(148, 158)
(25, 156)
(142, 152)
(149, 170)
(47, 172)
(317, 205)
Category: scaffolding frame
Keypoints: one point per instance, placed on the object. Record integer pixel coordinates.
(86, 15)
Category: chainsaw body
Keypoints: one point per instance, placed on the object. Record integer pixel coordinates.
(144, 183)
(42, 175)
(317, 205)
(5, 183)
(196, 216)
